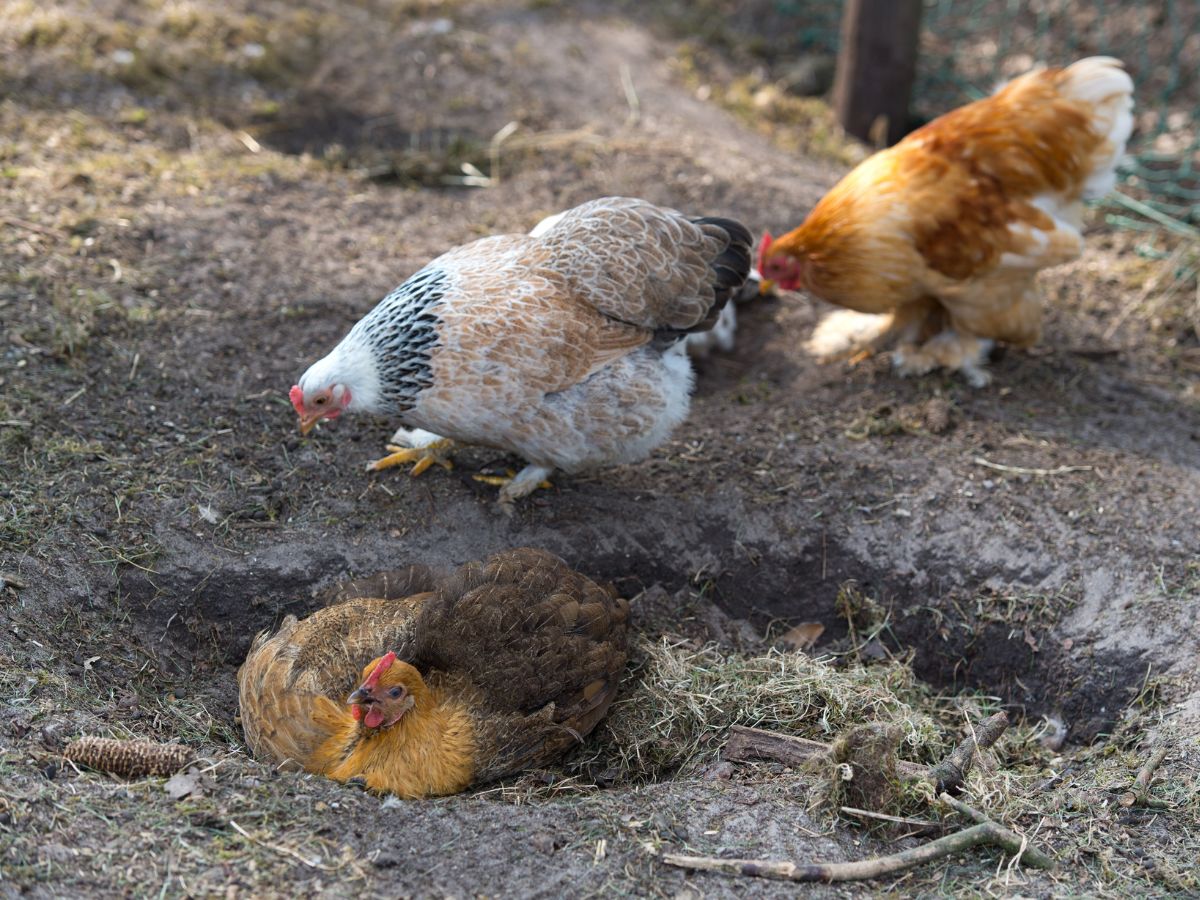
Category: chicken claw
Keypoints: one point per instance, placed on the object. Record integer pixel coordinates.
(513, 486)
(422, 457)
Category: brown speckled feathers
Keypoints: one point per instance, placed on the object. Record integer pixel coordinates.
(562, 346)
(533, 650)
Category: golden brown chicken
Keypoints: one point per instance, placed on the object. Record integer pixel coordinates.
(935, 243)
(418, 684)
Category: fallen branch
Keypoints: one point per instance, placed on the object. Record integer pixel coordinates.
(1024, 852)
(1139, 794)
(755, 743)
(950, 773)
(1021, 470)
(986, 833)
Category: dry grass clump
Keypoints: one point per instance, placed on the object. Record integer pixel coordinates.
(674, 715)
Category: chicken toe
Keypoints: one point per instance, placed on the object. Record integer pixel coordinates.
(513, 487)
(421, 457)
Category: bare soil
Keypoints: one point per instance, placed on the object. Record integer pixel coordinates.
(184, 232)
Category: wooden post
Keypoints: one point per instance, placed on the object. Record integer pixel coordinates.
(876, 67)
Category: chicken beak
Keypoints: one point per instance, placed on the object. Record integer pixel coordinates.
(308, 421)
(766, 287)
(360, 696)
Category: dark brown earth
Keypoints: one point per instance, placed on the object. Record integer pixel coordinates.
(185, 233)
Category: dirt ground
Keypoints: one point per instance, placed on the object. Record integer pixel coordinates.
(198, 200)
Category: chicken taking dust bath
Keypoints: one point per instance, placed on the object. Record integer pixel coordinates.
(498, 668)
(936, 243)
(565, 346)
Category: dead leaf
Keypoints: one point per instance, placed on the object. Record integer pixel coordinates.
(803, 636)
(183, 784)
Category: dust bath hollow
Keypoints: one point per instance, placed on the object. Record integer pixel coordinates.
(208, 618)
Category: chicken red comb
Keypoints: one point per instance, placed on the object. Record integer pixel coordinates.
(766, 242)
(296, 395)
(385, 663)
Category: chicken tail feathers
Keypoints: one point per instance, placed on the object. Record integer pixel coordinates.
(730, 268)
(1102, 82)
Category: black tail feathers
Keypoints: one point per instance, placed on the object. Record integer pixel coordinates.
(730, 268)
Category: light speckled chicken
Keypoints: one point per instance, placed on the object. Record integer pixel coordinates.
(564, 346)
(936, 243)
(418, 684)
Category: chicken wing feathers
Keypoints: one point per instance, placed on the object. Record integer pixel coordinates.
(288, 674)
(524, 627)
(646, 265)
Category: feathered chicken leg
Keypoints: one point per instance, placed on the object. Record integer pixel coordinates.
(423, 448)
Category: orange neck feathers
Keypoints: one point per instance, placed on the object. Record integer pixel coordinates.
(429, 751)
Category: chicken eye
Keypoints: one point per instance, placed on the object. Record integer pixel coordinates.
(395, 692)
(321, 401)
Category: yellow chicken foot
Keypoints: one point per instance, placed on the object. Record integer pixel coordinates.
(503, 480)
(421, 457)
(514, 486)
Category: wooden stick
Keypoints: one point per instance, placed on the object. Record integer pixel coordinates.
(950, 773)
(986, 833)
(29, 226)
(884, 817)
(755, 743)
(876, 67)
(1024, 852)
(1021, 470)
(1139, 794)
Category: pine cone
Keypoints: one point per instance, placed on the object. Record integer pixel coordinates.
(130, 759)
(936, 415)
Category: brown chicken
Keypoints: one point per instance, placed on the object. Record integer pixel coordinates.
(418, 684)
(936, 243)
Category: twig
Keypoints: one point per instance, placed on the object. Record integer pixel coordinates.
(986, 833)
(494, 148)
(1139, 794)
(884, 817)
(14, 423)
(1021, 470)
(286, 851)
(631, 97)
(1023, 852)
(28, 226)
(249, 142)
(950, 773)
